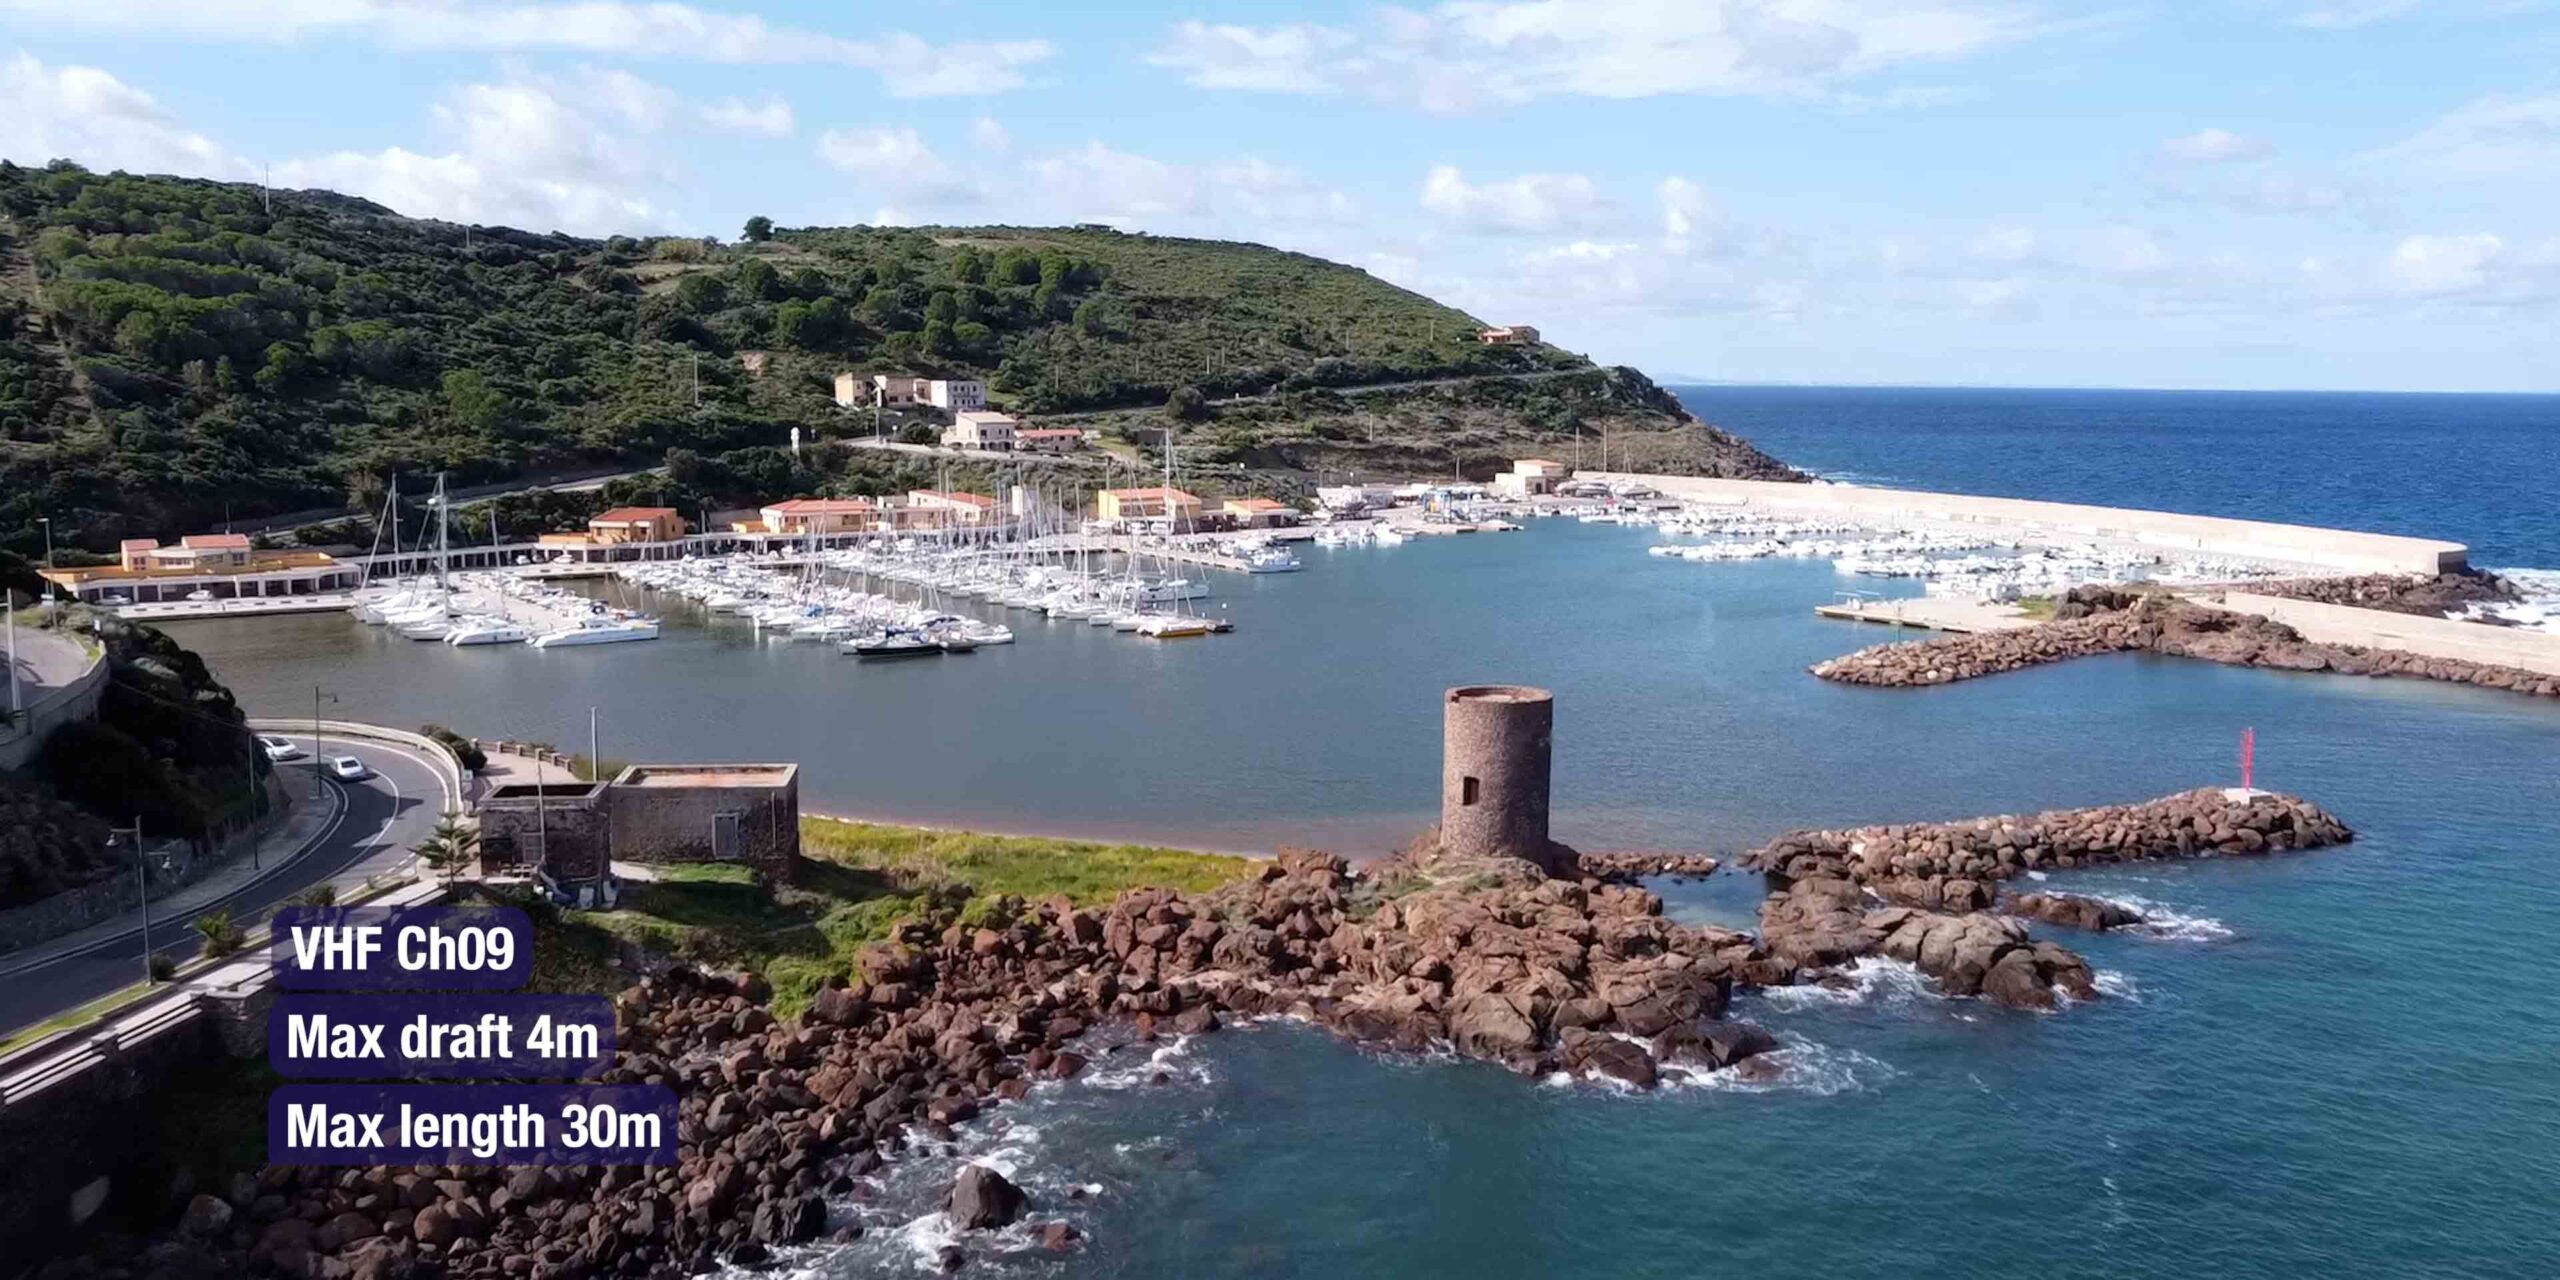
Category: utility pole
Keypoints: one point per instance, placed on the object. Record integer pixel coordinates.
(694, 359)
(9, 606)
(267, 190)
(595, 762)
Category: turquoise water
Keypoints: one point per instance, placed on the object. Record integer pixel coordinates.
(2344, 1063)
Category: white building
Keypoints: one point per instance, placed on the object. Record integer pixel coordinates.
(979, 429)
(955, 394)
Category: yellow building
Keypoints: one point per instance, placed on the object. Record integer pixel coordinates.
(1147, 504)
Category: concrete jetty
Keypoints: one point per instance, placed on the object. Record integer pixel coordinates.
(1930, 613)
(2068, 523)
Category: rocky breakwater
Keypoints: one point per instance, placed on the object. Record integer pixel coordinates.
(1928, 893)
(2438, 596)
(2093, 622)
(780, 1118)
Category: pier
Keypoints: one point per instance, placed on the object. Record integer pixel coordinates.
(2316, 550)
(1930, 613)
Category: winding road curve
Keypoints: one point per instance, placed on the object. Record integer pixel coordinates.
(377, 822)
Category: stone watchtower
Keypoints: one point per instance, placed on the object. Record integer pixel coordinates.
(1496, 749)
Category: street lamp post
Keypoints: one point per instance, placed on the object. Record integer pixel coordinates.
(318, 773)
(53, 607)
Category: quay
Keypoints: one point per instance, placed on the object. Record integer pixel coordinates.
(1930, 613)
(2338, 551)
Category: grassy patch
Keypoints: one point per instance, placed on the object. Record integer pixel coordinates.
(2039, 608)
(861, 881)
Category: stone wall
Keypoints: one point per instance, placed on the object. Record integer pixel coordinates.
(568, 833)
(67, 1149)
(181, 865)
(654, 822)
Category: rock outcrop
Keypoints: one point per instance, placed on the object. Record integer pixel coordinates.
(2104, 621)
(2199, 823)
(1494, 959)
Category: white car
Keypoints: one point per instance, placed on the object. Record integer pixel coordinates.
(347, 769)
(278, 749)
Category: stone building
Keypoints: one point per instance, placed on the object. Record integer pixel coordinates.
(571, 833)
(1496, 757)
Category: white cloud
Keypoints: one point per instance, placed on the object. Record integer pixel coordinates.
(771, 117)
(580, 152)
(2434, 265)
(907, 65)
(1471, 54)
(1272, 193)
(2487, 140)
(1688, 214)
(1096, 183)
(2216, 146)
(878, 152)
(897, 160)
(84, 114)
(990, 135)
(1530, 203)
(2339, 17)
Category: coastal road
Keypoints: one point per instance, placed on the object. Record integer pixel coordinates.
(376, 823)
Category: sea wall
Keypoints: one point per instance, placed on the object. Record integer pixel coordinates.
(2316, 549)
(2166, 625)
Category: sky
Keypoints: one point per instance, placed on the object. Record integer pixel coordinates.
(2256, 194)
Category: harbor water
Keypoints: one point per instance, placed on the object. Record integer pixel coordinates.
(2337, 1063)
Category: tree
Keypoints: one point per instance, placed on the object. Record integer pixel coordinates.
(1187, 404)
(758, 280)
(476, 405)
(759, 229)
(449, 848)
(702, 294)
(221, 936)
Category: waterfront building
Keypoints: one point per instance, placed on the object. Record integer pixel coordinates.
(571, 833)
(1531, 477)
(820, 517)
(940, 509)
(1355, 498)
(953, 395)
(980, 429)
(148, 573)
(1260, 513)
(1048, 440)
(1508, 335)
(635, 524)
(1156, 503)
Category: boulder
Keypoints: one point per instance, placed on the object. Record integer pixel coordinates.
(981, 1198)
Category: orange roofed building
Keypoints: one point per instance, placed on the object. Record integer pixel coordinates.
(635, 524)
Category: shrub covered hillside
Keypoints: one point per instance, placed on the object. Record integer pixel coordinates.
(176, 351)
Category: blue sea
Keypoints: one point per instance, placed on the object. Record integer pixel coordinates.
(2478, 469)
(2343, 1063)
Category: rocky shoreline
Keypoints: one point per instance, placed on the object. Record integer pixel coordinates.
(1492, 959)
(2099, 621)
(1927, 893)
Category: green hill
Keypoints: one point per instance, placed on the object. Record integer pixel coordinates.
(175, 353)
